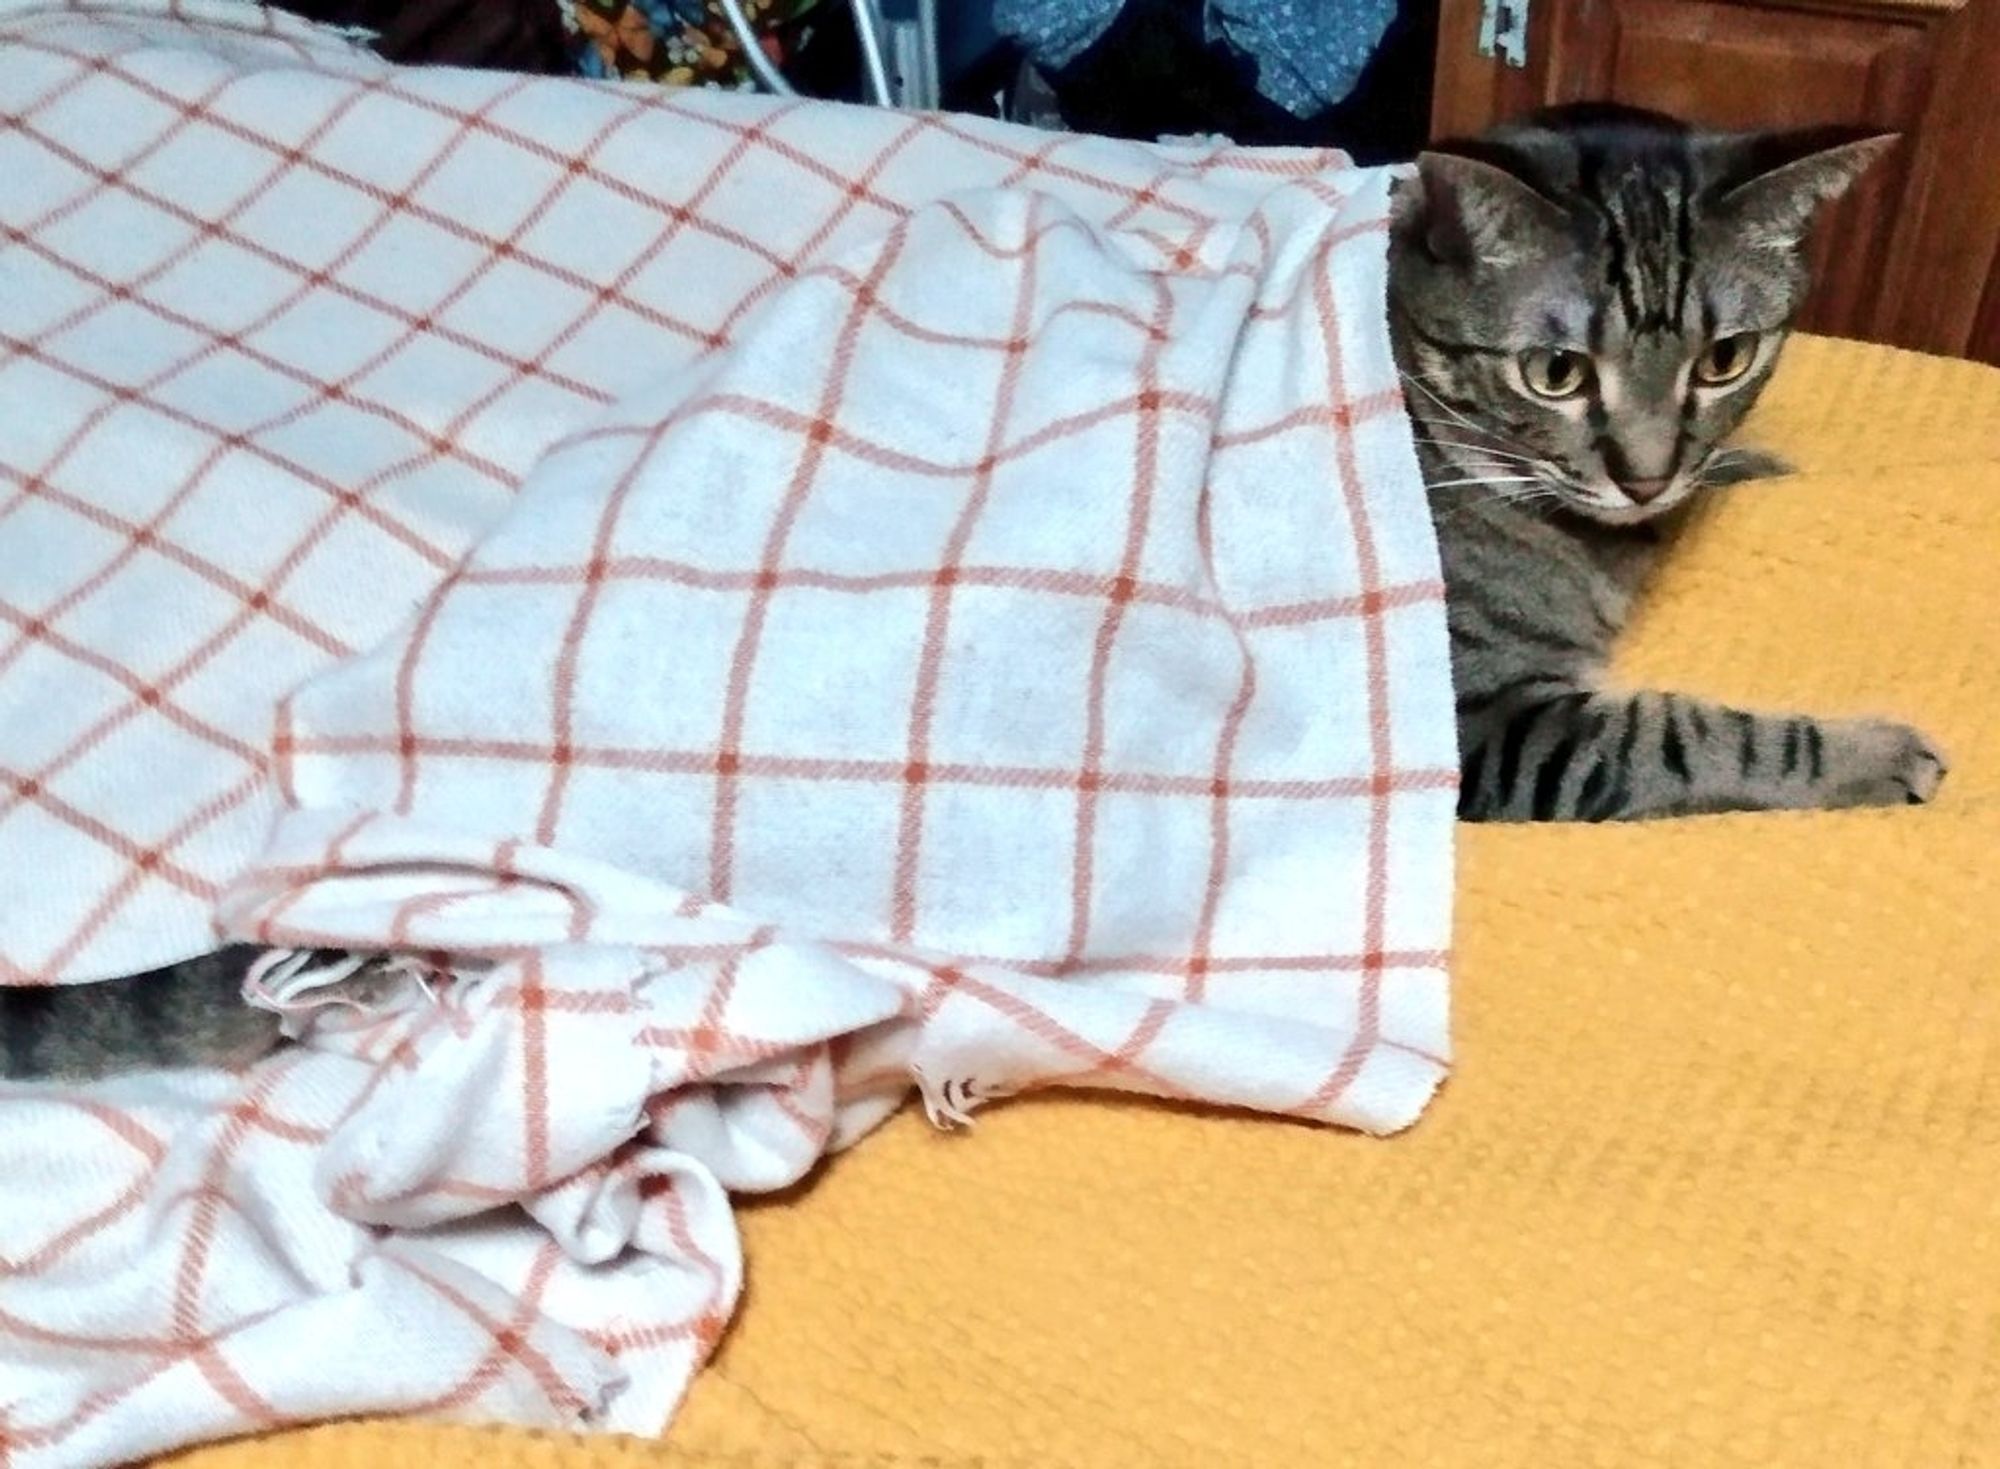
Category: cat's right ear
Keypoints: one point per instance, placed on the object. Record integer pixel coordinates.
(1469, 212)
(1775, 184)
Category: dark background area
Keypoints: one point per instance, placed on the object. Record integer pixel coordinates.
(1151, 74)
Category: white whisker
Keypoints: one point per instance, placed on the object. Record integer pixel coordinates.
(1456, 420)
(1540, 496)
(1481, 451)
(1436, 436)
(1432, 393)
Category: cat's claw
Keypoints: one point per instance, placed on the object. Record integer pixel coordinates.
(1881, 763)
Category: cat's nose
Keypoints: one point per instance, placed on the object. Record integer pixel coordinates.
(1645, 491)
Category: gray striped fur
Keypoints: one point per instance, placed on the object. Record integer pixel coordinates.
(188, 1014)
(1635, 243)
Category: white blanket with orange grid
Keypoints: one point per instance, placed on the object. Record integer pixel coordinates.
(752, 606)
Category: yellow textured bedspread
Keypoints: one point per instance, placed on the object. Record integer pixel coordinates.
(1716, 1182)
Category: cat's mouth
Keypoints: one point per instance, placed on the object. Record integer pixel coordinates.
(1634, 502)
(1628, 504)
(1605, 502)
(1537, 482)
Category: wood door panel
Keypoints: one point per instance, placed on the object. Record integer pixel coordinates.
(1733, 68)
(1946, 252)
(1985, 344)
(1725, 63)
(1907, 257)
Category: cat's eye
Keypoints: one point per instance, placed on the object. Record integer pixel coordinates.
(1554, 373)
(1725, 359)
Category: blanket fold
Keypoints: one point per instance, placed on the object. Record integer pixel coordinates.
(947, 607)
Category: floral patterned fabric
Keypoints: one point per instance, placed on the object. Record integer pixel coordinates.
(683, 43)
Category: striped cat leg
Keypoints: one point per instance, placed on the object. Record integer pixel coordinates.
(1581, 755)
(187, 1014)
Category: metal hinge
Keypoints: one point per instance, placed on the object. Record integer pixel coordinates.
(1503, 30)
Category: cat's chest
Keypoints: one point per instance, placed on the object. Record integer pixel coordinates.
(1539, 580)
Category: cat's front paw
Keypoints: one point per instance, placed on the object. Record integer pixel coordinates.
(1876, 762)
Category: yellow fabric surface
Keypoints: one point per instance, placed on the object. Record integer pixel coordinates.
(1716, 1182)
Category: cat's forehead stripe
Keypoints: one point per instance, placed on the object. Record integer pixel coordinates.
(1648, 237)
(1634, 195)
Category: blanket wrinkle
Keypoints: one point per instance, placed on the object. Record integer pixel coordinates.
(987, 637)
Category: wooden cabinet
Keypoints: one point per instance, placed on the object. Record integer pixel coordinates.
(1913, 257)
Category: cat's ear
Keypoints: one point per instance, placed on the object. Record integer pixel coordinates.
(1773, 185)
(1467, 212)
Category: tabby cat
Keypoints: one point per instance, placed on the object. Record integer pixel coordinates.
(1584, 305)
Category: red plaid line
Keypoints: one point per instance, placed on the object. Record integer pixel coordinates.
(743, 661)
(917, 774)
(1381, 754)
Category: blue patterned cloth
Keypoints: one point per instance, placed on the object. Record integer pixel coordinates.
(1309, 53)
(1055, 32)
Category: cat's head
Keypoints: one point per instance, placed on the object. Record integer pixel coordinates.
(1587, 302)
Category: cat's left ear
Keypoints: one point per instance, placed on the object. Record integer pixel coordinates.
(1468, 211)
(1773, 185)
